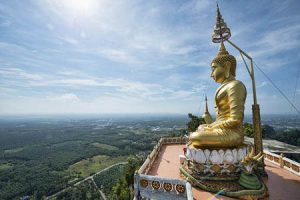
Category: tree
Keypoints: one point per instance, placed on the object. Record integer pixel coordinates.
(123, 189)
(290, 136)
(194, 122)
(120, 191)
(248, 130)
(134, 163)
(267, 131)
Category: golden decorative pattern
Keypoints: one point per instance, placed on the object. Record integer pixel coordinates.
(180, 188)
(155, 185)
(216, 168)
(200, 167)
(168, 187)
(231, 168)
(144, 183)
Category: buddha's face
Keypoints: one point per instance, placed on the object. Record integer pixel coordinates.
(218, 72)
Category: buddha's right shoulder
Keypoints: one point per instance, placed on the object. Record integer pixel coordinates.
(237, 85)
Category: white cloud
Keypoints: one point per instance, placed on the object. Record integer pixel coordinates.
(16, 72)
(68, 97)
(132, 32)
(83, 34)
(262, 84)
(70, 40)
(5, 23)
(123, 88)
(71, 11)
(163, 50)
(50, 26)
(73, 82)
(196, 6)
(7, 92)
(118, 55)
(270, 47)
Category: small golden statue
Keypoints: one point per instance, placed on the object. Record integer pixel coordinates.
(227, 130)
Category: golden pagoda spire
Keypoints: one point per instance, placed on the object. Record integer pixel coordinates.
(206, 107)
(206, 116)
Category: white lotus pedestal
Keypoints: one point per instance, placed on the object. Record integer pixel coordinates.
(215, 164)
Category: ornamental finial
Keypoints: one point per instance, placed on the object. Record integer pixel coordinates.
(221, 32)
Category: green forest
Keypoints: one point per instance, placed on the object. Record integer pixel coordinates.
(42, 157)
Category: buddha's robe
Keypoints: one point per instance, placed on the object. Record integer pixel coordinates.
(227, 130)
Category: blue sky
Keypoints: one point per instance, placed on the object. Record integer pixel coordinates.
(103, 56)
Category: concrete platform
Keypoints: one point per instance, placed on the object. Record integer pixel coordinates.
(282, 184)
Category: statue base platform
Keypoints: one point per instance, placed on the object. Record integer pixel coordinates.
(220, 171)
(215, 164)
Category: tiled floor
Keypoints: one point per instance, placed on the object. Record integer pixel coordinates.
(282, 184)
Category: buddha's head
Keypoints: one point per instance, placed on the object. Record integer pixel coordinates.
(223, 65)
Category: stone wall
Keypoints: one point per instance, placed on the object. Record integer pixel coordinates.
(283, 162)
(154, 187)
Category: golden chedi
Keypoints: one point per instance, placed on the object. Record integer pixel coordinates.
(227, 130)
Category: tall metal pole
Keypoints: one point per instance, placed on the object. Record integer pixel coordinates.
(258, 144)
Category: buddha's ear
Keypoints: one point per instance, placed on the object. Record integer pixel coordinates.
(227, 66)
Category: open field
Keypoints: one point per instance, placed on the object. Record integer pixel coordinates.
(14, 150)
(105, 146)
(5, 166)
(87, 167)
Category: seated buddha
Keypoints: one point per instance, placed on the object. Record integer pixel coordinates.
(227, 130)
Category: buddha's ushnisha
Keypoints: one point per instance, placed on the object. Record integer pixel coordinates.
(227, 130)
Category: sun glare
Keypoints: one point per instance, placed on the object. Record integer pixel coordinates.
(80, 8)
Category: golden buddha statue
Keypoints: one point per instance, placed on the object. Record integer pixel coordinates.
(227, 130)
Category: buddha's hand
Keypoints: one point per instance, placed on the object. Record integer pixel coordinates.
(215, 126)
(208, 128)
(201, 127)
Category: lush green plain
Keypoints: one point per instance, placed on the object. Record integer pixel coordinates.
(39, 157)
(87, 167)
(105, 146)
